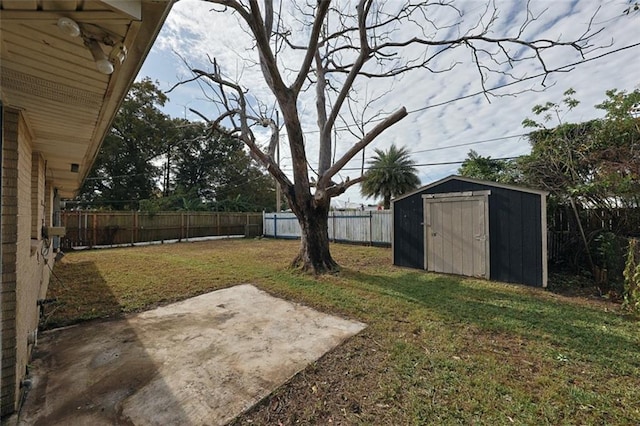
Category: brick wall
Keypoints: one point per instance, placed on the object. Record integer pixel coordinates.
(9, 248)
(37, 194)
(48, 203)
(26, 257)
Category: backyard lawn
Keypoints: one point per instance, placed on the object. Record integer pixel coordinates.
(437, 350)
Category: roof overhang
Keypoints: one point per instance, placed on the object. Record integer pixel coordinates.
(472, 180)
(52, 77)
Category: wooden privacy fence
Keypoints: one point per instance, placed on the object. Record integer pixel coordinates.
(362, 227)
(564, 239)
(621, 221)
(90, 228)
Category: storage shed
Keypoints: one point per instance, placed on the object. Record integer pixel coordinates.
(471, 227)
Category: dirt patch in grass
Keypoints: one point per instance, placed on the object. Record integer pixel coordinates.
(437, 350)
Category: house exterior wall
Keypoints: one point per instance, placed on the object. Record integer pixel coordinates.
(26, 256)
(515, 231)
(9, 249)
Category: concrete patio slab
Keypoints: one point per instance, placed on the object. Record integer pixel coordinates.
(201, 361)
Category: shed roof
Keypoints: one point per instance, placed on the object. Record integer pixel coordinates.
(52, 77)
(472, 180)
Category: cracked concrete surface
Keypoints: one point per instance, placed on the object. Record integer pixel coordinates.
(201, 361)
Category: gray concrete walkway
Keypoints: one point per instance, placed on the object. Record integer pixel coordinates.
(201, 361)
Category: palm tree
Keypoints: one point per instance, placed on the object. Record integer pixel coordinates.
(391, 173)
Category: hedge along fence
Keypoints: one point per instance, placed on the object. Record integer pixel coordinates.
(352, 226)
(91, 228)
(632, 277)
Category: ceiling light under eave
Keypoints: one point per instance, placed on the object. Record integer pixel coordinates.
(69, 27)
(118, 53)
(102, 61)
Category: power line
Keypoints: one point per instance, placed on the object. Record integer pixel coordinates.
(502, 86)
(440, 148)
(442, 163)
(482, 92)
(118, 176)
(426, 107)
(520, 80)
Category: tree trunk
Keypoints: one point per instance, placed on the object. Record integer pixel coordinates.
(314, 255)
(386, 201)
(584, 237)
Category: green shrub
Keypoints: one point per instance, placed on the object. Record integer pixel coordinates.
(608, 251)
(632, 278)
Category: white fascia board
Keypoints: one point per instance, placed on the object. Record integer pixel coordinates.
(132, 8)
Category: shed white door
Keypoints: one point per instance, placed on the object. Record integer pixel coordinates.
(457, 233)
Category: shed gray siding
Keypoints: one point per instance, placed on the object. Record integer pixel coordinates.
(515, 230)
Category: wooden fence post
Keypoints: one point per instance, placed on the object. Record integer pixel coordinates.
(80, 236)
(94, 224)
(87, 239)
(333, 220)
(181, 226)
(370, 227)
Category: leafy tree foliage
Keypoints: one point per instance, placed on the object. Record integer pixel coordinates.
(203, 169)
(123, 172)
(595, 163)
(178, 200)
(217, 170)
(487, 168)
(592, 166)
(391, 174)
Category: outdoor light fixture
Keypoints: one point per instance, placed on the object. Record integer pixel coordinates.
(105, 64)
(69, 27)
(102, 61)
(118, 53)
(75, 167)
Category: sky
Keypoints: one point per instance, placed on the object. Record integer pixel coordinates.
(440, 127)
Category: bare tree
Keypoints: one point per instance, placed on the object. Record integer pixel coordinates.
(344, 43)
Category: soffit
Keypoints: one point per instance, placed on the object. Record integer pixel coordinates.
(50, 76)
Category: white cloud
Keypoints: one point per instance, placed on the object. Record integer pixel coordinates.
(196, 32)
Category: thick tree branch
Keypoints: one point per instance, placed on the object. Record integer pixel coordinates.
(243, 132)
(363, 56)
(321, 13)
(357, 147)
(268, 18)
(340, 188)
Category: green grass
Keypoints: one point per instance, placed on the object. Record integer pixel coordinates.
(438, 349)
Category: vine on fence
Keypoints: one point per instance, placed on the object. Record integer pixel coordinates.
(632, 278)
